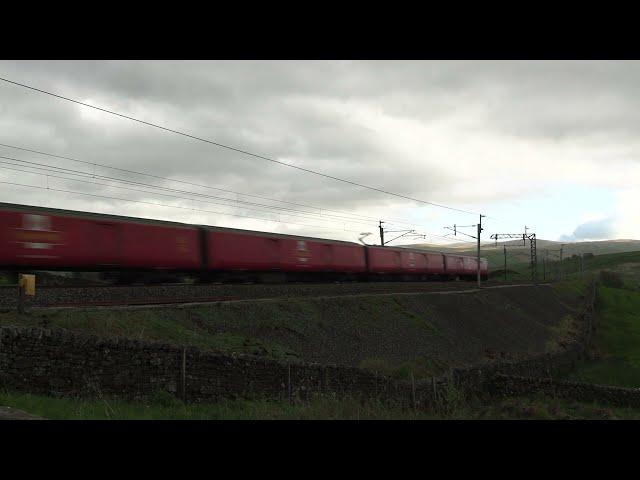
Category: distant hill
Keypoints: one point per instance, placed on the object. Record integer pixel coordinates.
(597, 247)
(518, 253)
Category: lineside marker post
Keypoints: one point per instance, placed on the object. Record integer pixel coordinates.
(26, 286)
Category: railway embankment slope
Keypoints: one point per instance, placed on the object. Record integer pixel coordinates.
(398, 334)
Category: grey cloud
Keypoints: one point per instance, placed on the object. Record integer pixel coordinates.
(271, 108)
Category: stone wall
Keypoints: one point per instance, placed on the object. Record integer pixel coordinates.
(58, 362)
(509, 385)
(479, 378)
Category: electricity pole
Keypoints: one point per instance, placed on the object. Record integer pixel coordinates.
(404, 233)
(479, 232)
(505, 262)
(532, 241)
(477, 237)
(561, 247)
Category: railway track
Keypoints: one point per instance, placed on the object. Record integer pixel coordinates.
(175, 294)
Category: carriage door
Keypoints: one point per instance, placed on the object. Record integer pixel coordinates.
(106, 244)
(327, 258)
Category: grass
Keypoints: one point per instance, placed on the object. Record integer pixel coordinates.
(175, 326)
(567, 329)
(626, 264)
(543, 408)
(616, 340)
(420, 368)
(165, 407)
(518, 268)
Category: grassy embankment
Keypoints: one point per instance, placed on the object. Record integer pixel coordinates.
(165, 407)
(616, 341)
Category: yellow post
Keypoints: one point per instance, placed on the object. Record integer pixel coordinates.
(26, 286)
(28, 283)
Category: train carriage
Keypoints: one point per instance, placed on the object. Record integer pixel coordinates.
(247, 251)
(47, 238)
(54, 239)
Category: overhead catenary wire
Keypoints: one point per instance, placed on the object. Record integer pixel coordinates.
(173, 206)
(47, 175)
(321, 209)
(66, 171)
(245, 152)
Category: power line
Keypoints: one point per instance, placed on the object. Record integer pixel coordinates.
(181, 208)
(156, 193)
(185, 182)
(67, 171)
(172, 206)
(47, 175)
(236, 149)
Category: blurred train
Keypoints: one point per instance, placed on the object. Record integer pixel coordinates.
(129, 249)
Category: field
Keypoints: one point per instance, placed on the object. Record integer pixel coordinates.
(616, 340)
(397, 335)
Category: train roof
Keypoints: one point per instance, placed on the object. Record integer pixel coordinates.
(275, 235)
(150, 221)
(420, 250)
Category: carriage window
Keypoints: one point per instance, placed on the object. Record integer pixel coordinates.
(36, 222)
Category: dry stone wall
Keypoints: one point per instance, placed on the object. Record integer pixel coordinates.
(509, 385)
(58, 362)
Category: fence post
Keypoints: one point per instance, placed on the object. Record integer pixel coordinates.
(184, 374)
(413, 392)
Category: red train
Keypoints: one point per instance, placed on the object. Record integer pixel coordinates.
(39, 238)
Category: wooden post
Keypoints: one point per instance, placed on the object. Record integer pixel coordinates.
(413, 392)
(505, 263)
(184, 374)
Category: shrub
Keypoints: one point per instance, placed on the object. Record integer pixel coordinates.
(611, 279)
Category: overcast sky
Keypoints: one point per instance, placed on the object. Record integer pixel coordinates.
(551, 145)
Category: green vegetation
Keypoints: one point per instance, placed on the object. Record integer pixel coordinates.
(616, 340)
(567, 329)
(175, 326)
(543, 408)
(163, 406)
(420, 368)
